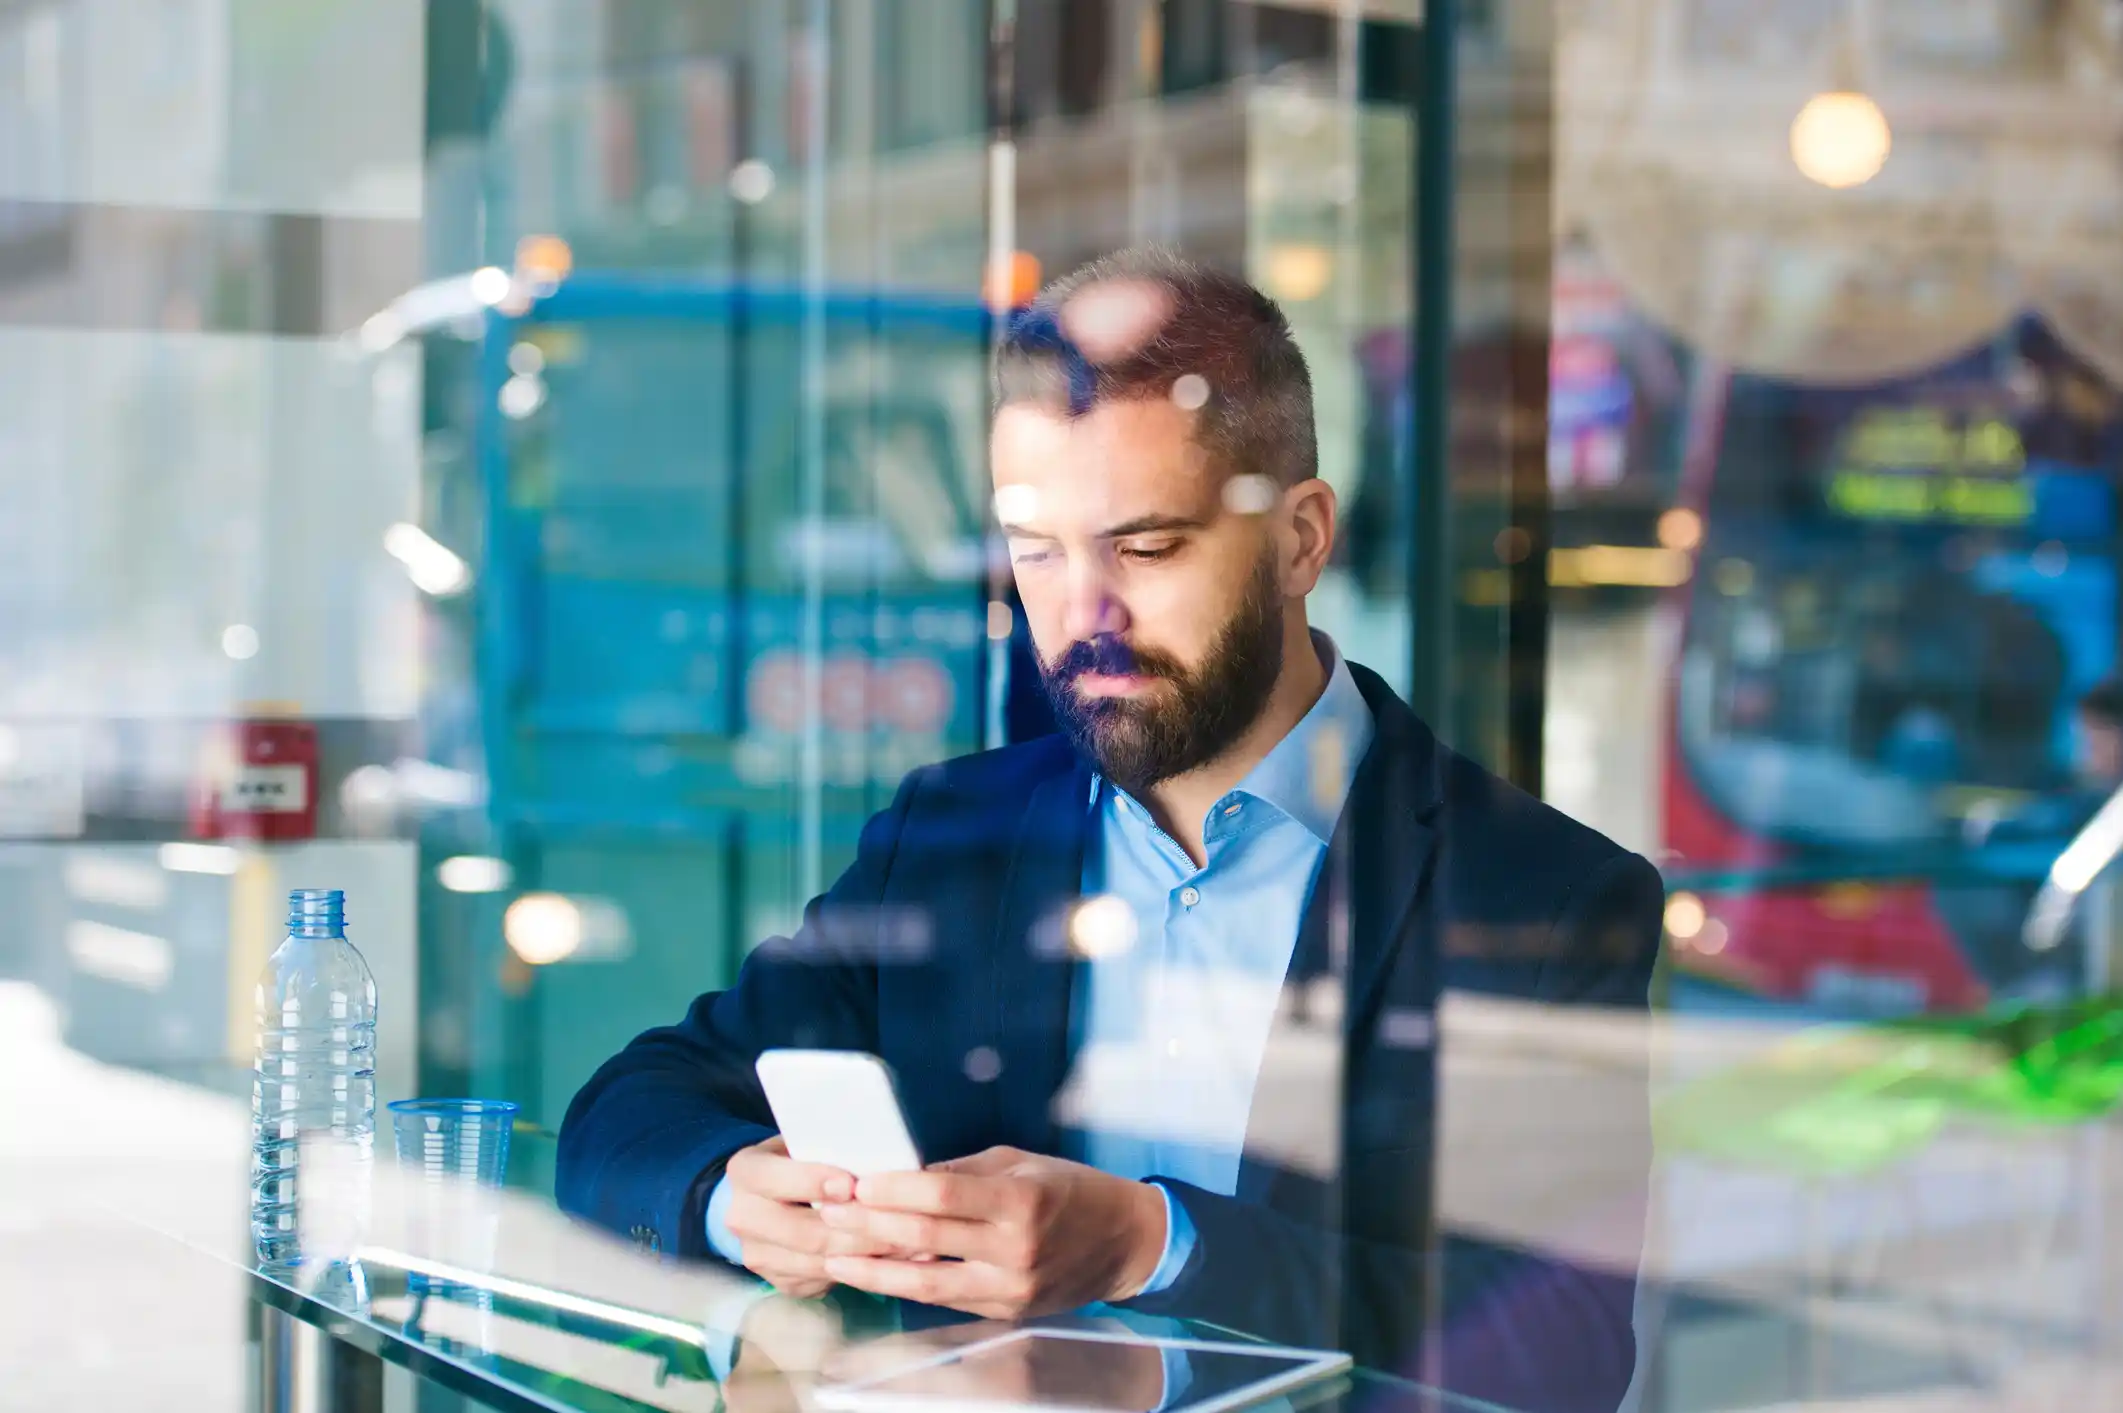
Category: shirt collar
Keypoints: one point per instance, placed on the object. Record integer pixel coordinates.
(1307, 775)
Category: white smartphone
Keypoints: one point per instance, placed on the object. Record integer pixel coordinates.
(839, 1108)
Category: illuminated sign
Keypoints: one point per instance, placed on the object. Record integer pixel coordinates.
(1926, 439)
(1964, 500)
(1920, 464)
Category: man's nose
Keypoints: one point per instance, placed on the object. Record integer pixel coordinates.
(1092, 608)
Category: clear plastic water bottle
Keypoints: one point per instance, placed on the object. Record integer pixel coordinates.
(313, 1091)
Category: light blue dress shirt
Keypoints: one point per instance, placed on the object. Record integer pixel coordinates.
(1181, 1018)
(1174, 1027)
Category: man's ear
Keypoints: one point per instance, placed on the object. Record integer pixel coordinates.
(1309, 511)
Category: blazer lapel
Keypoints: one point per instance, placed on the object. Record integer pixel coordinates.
(1034, 967)
(1359, 911)
(1386, 835)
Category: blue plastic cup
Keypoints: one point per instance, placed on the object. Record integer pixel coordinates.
(465, 1140)
(454, 1154)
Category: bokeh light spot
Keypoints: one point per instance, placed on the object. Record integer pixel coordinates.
(1840, 139)
(1251, 494)
(543, 928)
(1016, 504)
(473, 873)
(1734, 577)
(983, 1065)
(490, 285)
(521, 396)
(751, 181)
(1101, 926)
(1680, 528)
(1298, 272)
(1111, 319)
(1685, 915)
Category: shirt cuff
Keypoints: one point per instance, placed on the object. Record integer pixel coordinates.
(721, 1240)
(1180, 1241)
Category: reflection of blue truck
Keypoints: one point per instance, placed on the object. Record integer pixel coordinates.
(730, 589)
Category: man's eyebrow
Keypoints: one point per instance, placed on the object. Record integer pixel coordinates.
(1151, 524)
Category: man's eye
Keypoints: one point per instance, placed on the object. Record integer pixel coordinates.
(1032, 556)
(1149, 554)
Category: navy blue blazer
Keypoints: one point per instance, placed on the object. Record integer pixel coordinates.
(945, 937)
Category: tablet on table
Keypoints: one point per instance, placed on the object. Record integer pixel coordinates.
(1084, 1371)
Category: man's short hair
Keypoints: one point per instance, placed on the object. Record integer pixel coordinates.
(2104, 702)
(1257, 417)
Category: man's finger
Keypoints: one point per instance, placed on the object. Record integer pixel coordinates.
(800, 1287)
(961, 1285)
(760, 1220)
(756, 1221)
(936, 1194)
(772, 1174)
(791, 1272)
(935, 1236)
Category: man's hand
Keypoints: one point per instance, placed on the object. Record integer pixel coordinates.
(781, 1235)
(782, 1344)
(1034, 1235)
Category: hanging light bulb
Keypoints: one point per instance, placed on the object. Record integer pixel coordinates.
(1840, 139)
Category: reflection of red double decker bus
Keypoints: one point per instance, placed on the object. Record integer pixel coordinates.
(1901, 592)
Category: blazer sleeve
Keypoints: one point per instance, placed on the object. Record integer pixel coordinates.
(647, 1137)
(1527, 1330)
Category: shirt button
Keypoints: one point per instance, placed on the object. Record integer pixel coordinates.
(1172, 1049)
(1188, 897)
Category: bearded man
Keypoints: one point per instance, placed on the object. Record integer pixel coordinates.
(1076, 952)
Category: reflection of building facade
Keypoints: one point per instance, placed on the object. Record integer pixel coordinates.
(690, 144)
(164, 311)
(1678, 158)
(195, 484)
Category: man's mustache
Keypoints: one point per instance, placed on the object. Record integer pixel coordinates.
(1109, 656)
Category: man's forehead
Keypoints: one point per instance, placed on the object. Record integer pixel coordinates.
(1118, 461)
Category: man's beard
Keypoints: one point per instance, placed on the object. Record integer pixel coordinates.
(1137, 742)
